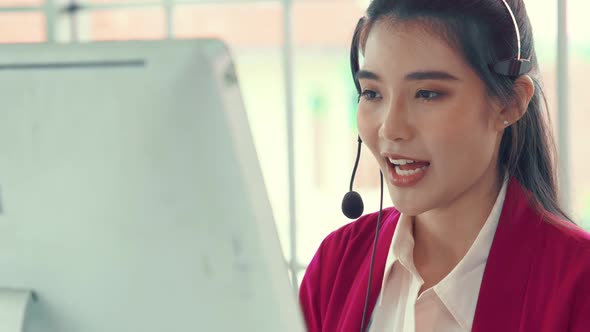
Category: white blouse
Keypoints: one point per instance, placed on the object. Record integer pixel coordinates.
(447, 306)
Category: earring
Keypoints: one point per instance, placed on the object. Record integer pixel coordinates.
(506, 122)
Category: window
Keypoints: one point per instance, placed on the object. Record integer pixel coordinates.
(579, 119)
(22, 27)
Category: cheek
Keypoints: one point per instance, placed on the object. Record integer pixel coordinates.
(368, 126)
(464, 142)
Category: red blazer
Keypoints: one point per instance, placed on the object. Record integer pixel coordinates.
(537, 277)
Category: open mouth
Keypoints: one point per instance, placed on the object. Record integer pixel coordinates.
(407, 167)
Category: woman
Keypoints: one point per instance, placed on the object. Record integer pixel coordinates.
(451, 108)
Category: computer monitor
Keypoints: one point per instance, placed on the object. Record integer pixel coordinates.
(131, 195)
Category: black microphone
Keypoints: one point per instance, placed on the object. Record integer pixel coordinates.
(352, 203)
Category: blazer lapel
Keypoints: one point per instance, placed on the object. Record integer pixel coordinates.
(503, 288)
(351, 320)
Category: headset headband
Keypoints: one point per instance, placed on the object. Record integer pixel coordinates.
(513, 67)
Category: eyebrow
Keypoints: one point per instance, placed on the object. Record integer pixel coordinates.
(414, 76)
(368, 75)
(431, 75)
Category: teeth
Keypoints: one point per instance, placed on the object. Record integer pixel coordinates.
(401, 172)
(401, 162)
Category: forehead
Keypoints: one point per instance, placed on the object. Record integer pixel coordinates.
(406, 47)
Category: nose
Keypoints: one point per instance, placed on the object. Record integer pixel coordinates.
(395, 125)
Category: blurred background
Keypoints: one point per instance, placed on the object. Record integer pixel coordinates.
(292, 61)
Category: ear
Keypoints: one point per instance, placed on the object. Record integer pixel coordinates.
(524, 88)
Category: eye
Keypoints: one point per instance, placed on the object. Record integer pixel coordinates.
(370, 95)
(427, 95)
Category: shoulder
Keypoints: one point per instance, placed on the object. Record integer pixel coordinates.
(565, 255)
(559, 244)
(345, 248)
(566, 239)
(331, 274)
(567, 247)
(343, 251)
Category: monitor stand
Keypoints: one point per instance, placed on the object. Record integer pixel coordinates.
(13, 308)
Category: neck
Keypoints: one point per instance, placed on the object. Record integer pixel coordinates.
(443, 236)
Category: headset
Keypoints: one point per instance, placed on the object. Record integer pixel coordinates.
(352, 203)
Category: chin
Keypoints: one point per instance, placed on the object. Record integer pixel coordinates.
(412, 212)
(407, 208)
(406, 203)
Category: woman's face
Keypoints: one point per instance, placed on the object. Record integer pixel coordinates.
(425, 116)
